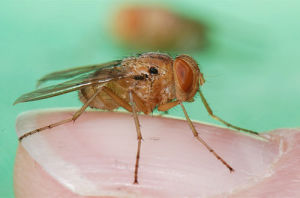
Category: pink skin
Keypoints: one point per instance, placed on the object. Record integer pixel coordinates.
(95, 157)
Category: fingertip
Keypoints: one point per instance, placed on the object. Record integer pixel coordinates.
(95, 156)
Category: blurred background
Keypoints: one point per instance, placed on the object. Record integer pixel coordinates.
(248, 52)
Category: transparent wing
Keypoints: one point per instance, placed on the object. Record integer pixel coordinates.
(100, 76)
(77, 71)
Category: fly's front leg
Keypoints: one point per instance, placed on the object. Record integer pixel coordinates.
(210, 112)
(73, 118)
(196, 135)
(139, 136)
(167, 106)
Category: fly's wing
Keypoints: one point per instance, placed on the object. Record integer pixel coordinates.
(77, 71)
(99, 77)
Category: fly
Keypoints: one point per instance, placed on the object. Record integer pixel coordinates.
(139, 84)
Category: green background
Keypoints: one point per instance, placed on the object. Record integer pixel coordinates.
(252, 66)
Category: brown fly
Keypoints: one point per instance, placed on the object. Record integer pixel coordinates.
(138, 84)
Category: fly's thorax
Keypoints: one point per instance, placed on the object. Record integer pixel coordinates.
(152, 79)
(186, 77)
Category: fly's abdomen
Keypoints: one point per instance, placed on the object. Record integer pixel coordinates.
(103, 100)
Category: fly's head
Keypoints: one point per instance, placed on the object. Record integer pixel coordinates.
(187, 77)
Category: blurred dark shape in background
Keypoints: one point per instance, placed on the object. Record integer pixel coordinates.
(155, 28)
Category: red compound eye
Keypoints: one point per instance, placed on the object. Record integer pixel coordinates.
(184, 74)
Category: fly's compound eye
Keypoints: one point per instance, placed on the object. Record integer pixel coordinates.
(186, 76)
(153, 70)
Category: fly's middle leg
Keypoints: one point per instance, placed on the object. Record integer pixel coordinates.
(120, 101)
(139, 136)
(135, 102)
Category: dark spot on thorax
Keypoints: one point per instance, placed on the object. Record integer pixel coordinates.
(140, 77)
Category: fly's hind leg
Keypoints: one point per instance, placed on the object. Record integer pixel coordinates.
(73, 118)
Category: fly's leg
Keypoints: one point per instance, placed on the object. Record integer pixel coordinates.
(210, 112)
(121, 102)
(139, 137)
(134, 99)
(73, 118)
(167, 106)
(196, 135)
(139, 103)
